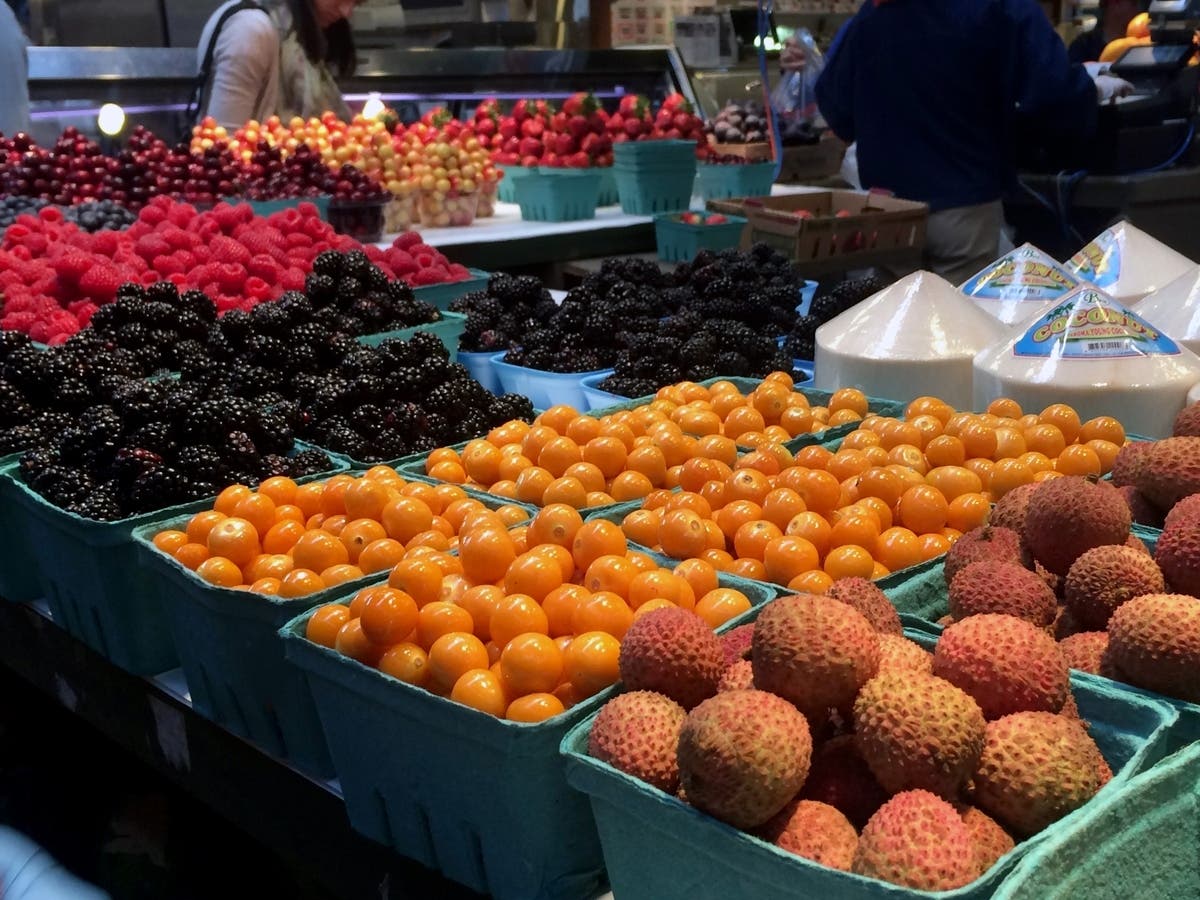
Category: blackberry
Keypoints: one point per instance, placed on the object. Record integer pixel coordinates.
(72, 393)
(356, 263)
(274, 434)
(11, 341)
(159, 488)
(239, 451)
(201, 463)
(344, 439)
(103, 504)
(299, 308)
(272, 465)
(236, 327)
(730, 363)
(18, 437)
(267, 351)
(327, 263)
(310, 462)
(129, 464)
(155, 436)
(62, 485)
(513, 406)
(205, 422)
(35, 461)
(348, 289)
(349, 325)
(399, 291)
(365, 361)
(269, 319)
(321, 289)
(50, 423)
(429, 346)
(406, 420)
(198, 304)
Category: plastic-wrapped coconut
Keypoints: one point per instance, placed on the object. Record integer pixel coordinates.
(1127, 263)
(1176, 309)
(1096, 355)
(916, 337)
(1021, 284)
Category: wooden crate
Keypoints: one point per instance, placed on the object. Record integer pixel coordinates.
(874, 230)
(757, 152)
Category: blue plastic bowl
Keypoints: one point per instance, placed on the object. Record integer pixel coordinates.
(481, 367)
(545, 389)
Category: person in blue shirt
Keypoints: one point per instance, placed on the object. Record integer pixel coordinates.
(27, 872)
(935, 93)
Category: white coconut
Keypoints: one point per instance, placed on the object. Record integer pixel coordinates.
(1096, 355)
(1021, 284)
(917, 337)
(1127, 263)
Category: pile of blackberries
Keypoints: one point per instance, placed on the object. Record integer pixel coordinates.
(348, 293)
(500, 316)
(159, 326)
(155, 444)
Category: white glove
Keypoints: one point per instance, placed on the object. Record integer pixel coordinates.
(1109, 87)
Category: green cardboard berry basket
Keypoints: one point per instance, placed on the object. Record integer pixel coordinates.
(655, 845)
(1138, 841)
(264, 208)
(442, 295)
(482, 800)
(680, 242)
(96, 589)
(608, 195)
(233, 657)
(558, 195)
(507, 188)
(649, 193)
(20, 579)
(448, 329)
(724, 181)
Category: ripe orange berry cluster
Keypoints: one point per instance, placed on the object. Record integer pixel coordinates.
(567, 457)
(523, 623)
(1004, 448)
(291, 540)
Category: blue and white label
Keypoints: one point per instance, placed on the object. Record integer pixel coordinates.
(1089, 324)
(1100, 261)
(1024, 274)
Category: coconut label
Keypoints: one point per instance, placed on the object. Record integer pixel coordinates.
(1089, 324)
(1024, 274)
(1100, 261)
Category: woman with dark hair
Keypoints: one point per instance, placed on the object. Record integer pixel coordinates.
(274, 57)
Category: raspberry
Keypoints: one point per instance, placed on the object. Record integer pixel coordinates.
(106, 242)
(264, 267)
(166, 265)
(37, 243)
(72, 265)
(205, 229)
(101, 282)
(224, 302)
(153, 213)
(301, 255)
(292, 280)
(17, 321)
(406, 240)
(50, 214)
(231, 277)
(298, 239)
(226, 250)
(175, 236)
(180, 214)
(150, 246)
(314, 228)
(402, 264)
(458, 272)
(257, 288)
(425, 260)
(225, 216)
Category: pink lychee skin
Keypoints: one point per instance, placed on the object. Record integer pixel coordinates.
(674, 652)
(917, 840)
(638, 733)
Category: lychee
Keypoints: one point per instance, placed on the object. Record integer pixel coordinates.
(737, 677)
(1007, 664)
(868, 599)
(1187, 422)
(1187, 508)
(1128, 462)
(1009, 511)
(743, 755)
(918, 731)
(1070, 515)
(1036, 768)
(815, 831)
(994, 586)
(1170, 471)
(1084, 651)
(1104, 578)
(638, 733)
(1154, 643)
(899, 654)
(839, 776)
(990, 840)
(1141, 510)
(984, 543)
(815, 652)
(917, 840)
(735, 643)
(673, 652)
(1178, 556)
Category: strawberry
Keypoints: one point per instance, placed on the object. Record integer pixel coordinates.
(633, 127)
(615, 124)
(716, 219)
(630, 103)
(508, 128)
(564, 145)
(578, 160)
(578, 127)
(521, 111)
(558, 122)
(512, 146)
(532, 128)
(530, 147)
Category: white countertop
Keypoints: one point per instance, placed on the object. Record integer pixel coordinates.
(507, 224)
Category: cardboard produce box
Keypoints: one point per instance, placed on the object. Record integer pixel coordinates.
(838, 229)
(812, 161)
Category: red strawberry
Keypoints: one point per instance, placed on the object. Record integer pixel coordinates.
(532, 128)
(633, 128)
(521, 110)
(578, 160)
(629, 104)
(558, 122)
(530, 147)
(564, 145)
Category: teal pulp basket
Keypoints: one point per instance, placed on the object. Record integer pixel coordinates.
(558, 195)
(20, 579)
(679, 241)
(722, 182)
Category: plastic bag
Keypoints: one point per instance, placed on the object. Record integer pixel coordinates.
(794, 98)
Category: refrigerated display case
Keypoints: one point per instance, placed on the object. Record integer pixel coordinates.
(68, 85)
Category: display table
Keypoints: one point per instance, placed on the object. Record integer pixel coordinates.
(1164, 204)
(301, 819)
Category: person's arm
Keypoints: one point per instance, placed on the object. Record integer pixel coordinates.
(1043, 84)
(835, 86)
(247, 52)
